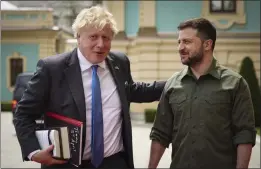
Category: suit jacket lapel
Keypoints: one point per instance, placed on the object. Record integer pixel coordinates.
(115, 70)
(74, 79)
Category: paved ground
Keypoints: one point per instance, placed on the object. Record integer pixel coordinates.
(11, 154)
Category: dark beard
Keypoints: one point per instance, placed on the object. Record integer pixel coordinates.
(194, 58)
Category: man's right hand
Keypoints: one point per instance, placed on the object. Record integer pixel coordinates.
(45, 157)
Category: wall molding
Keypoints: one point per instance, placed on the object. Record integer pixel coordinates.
(44, 18)
(121, 35)
(220, 34)
(147, 32)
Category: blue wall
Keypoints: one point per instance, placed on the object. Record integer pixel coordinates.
(170, 13)
(31, 51)
(131, 17)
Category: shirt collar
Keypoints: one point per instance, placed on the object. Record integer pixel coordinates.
(85, 64)
(213, 70)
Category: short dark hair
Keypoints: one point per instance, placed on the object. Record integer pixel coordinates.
(204, 27)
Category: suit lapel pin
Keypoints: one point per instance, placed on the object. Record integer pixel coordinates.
(117, 68)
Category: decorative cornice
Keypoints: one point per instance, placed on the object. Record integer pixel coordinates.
(147, 32)
(238, 35)
(121, 36)
(220, 34)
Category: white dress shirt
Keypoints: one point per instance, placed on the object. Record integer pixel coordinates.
(111, 108)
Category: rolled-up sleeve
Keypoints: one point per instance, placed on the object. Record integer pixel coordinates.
(243, 119)
(162, 127)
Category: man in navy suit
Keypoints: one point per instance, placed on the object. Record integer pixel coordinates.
(66, 84)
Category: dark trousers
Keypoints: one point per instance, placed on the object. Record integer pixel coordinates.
(116, 161)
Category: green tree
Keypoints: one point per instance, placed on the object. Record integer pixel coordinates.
(247, 70)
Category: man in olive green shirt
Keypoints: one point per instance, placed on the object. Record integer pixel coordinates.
(206, 110)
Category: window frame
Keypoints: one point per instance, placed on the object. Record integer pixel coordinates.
(15, 55)
(222, 10)
(239, 17)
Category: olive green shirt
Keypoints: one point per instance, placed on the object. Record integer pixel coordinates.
(205, 119)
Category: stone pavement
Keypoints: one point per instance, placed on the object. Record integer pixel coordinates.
(11, 153)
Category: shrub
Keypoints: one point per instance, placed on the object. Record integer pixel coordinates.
(247, 71)
(258, 130)
(150, 115)
(6, 106)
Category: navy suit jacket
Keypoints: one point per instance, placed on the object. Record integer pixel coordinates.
(57, 87)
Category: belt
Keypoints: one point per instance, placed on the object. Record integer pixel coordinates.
(119, 154)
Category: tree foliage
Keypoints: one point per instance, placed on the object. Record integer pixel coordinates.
(247, 71)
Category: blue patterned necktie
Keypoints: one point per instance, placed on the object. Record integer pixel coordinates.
(97, 143)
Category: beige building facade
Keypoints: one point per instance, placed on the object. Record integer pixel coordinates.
(154, 55)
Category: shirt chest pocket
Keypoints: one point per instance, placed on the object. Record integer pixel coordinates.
(179, 106)
(218, 104)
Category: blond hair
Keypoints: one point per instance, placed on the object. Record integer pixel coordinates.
(95, 16)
